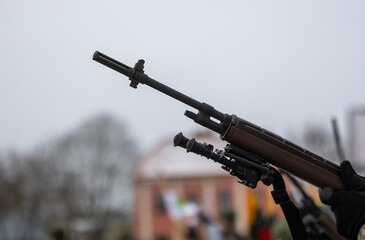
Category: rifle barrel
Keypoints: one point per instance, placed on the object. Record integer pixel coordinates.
(111, 63)
(144, 79)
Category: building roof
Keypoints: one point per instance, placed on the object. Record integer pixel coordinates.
(175, 162)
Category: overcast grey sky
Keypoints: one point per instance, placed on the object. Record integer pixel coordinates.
(279, 64)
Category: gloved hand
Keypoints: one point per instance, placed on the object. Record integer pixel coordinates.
(348, 205)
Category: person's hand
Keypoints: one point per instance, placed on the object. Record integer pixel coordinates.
(348, 205)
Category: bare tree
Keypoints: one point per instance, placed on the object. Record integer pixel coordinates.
(86, 174)
(98, 159)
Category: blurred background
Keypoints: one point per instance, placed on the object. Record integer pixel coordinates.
(84, 155)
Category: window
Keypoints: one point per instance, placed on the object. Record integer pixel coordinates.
(159, 204)
(224, 200)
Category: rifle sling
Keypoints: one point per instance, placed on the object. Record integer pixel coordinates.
(281, 197)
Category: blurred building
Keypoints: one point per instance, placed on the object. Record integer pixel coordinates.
(191, 175)
(357, 137)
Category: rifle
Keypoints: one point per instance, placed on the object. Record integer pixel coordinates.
(251, 150)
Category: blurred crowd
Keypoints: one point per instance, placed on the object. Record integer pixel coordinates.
(191, 221)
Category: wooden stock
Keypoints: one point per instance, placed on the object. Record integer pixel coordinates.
(285, 155)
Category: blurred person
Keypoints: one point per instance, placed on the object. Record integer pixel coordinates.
(191, 213)
(172, 205)
(280, 230)
(228, 217)
(348, 205)
(261, 228)
(57, 233)
(262, 212)
(183, 213)
(211, 230)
